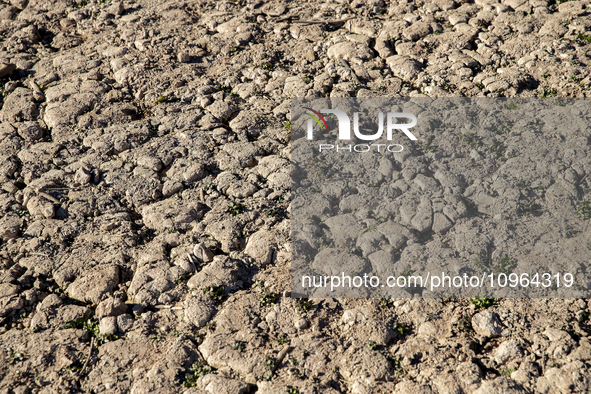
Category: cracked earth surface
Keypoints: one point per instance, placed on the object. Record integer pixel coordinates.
(145, 195)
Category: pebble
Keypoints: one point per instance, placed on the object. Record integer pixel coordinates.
(487, 324)
(6, 69)
(301, 324)
(184, 57)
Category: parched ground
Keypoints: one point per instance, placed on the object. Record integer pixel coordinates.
(145, 200)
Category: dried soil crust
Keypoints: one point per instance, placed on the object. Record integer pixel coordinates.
(145, 196)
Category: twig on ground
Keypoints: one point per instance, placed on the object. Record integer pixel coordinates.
(334, 22)
(294, 19)
(280, 357)
(267, 14)
(174, 308)
(39, 254)
(49, 197)
(87, 357)
(287, 18)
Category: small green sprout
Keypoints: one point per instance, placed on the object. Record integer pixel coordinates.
(304, 305)
(235, 208)
(385, 303)
(270, 363)
(549, 92)
(17, 357)
(465, 324)
(470, 138)
(584, 209)
(429, 148)
(239, 345)
(402, 329)
(269, 298)
(503, 264)
(482, 303)
(584, 37)
(527, 208)
(197, 370)
(511, 106)
(92, 327)
(215, 292)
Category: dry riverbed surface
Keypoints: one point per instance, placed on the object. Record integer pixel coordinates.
(145, 196)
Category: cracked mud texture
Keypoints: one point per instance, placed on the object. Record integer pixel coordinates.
(145, 196)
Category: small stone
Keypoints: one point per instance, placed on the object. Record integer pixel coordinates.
(222, 110)
(165, 299)
(38, 206)
(441, 223)
(572, 7)
(110, 307)
(416, 31)
(271, 316)
(487, 324)
(301, 324)
(19, 106)
(95, 285)
(6, 69)
(507, 350)
(555, 335)
(184, 57)
(38, 97)
(211, 383)
(193, 173)
(171, 187)
(125, 322)
(428, 328)
(241, 190)
(202, 253)
(456, 19)
(475, 155)
(423, 220)
(108, 325)
(348, 50)
(20, 4)
(10, 226)
(67, 23)
(141, 45)
(260, 247)
(82, 176)
(21, 390)
(150, 162)
(425, 182)
(198, 314)
(116, 8)
(131, 18)
(404, 68)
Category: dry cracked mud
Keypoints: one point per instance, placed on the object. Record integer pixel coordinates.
(145, 195)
